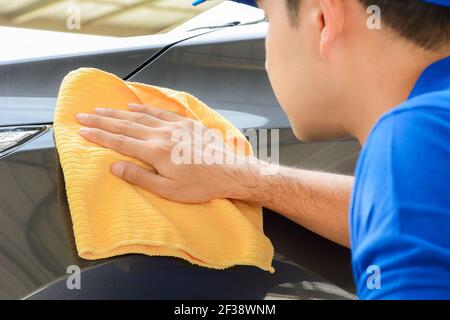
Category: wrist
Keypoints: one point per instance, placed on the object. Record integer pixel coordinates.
(248, 182)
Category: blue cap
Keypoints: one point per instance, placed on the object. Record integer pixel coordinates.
(445, 3)
(247, 2)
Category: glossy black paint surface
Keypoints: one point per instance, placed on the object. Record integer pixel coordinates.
(28, 90)
(37, 247)
(36, 237)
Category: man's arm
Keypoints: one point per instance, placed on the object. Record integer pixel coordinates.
(317, 201)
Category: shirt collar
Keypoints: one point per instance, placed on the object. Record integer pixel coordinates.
(435, 78)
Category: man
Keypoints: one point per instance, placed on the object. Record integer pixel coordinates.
(334, 77)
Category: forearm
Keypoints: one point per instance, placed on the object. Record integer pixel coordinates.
(316, 200)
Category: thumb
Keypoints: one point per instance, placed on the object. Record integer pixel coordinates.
(137, 175)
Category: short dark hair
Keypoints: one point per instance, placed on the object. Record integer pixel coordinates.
(425, 24)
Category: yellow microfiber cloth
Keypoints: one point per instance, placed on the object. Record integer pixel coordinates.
(112, 217)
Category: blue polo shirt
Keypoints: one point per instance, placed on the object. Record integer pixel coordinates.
(400, 207)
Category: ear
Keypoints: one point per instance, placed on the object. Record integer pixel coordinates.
(332, 25)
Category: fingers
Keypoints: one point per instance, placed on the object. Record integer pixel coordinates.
(137, 175)
(125, 145)
(137, 117)
(154, 112)
(118, 126)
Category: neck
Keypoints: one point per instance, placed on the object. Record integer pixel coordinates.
(392, 80)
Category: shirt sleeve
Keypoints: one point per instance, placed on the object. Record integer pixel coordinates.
(408, 238)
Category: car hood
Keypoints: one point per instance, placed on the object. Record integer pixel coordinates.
(29, 86)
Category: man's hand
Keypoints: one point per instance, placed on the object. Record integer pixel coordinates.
(146, 133)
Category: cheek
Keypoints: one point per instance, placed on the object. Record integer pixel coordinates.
(268, 51)
(285, 68)
(277, 63)
(274, 60)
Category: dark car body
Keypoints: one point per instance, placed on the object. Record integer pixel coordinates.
(224, 68)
